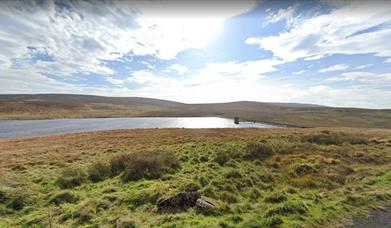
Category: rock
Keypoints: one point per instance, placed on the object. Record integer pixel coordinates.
(205, 204)
(178, 203)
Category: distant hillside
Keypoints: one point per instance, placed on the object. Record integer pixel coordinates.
(71, 99)
(47, 106)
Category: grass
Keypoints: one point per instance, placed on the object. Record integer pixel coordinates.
(257, 177)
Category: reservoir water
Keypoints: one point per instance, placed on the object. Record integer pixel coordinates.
(28, 128)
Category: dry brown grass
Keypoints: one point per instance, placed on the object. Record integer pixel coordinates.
(81, 147)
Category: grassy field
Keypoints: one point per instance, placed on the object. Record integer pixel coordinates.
(254, 177)
(81, 106)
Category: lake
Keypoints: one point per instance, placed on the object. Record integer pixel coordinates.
(27, 128)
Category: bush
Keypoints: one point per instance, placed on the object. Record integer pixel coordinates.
(71, 177)
(65, 196)
(148, 165)
(255, 151)
(99, 171)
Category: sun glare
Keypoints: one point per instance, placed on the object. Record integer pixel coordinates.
(197, 32)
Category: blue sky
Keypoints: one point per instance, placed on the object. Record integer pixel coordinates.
(335, 53)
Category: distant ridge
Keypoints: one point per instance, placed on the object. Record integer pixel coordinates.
(79, 98)
(49, 106)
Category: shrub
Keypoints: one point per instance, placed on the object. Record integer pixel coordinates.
(255, 151)
(149, 165)
(99, 171)
(65, 196)
(71, 177)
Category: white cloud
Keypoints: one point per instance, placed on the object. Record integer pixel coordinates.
(81, 35)
(387, 60)
(281, 14)
(178, 68)
(298, 72)
(319, 89)
(363, 66)
(238, 71)
(141, 77)
(347, 96)
(382, 79)
(201, 88)
(345, 30)
(114, 81)
(15, 81)
(338, 67)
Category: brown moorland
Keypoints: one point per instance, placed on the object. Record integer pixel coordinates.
(257, 177)
(50, 106)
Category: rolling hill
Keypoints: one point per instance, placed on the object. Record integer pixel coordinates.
(49, 106)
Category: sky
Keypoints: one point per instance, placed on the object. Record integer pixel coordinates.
(334, 53)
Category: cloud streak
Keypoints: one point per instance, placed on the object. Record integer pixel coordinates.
(327, 34)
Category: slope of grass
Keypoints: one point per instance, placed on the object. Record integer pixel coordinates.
(257, 177)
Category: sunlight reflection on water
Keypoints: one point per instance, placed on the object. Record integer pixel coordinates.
(23, 128)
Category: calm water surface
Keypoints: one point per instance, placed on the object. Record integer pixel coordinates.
(26, 128)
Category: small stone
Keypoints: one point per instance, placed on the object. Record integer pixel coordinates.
(205, 205)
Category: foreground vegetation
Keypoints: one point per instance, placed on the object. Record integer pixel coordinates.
(254, 177)
(49, 106)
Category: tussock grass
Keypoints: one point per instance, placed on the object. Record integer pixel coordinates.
(255, 151)
(335, 139)
(72, 177)
(99, 171)
(258, 178)
(64, 196)
(146, 164)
